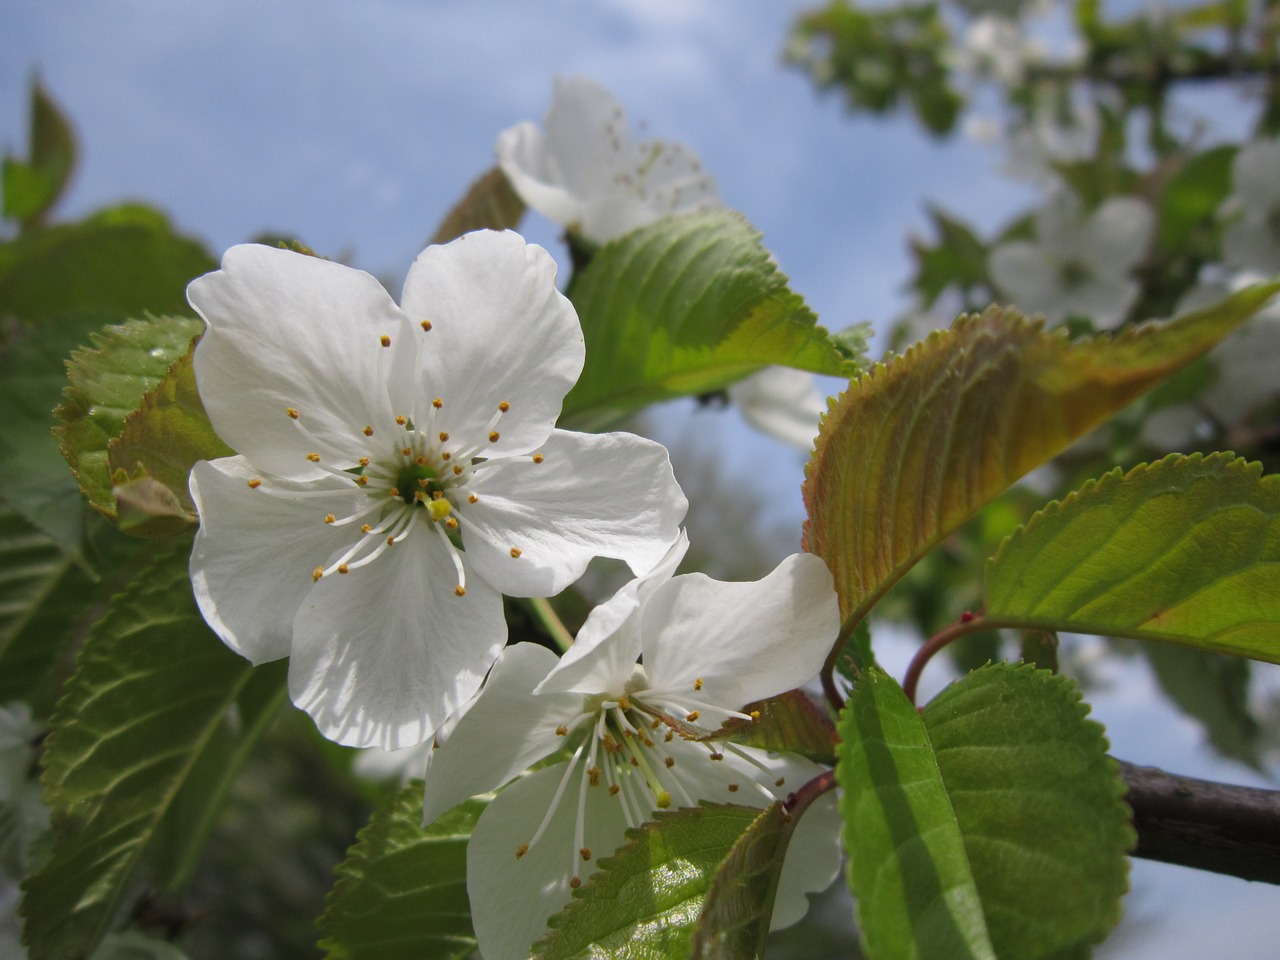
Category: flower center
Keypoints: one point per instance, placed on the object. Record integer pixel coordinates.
(1073, 275)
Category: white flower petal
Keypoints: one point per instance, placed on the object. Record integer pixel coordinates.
(382, 655)
(744, 641)
(781, 402)
(812, 861)
(535, 174)
(1254, 174)
(505, 730)
(288, 330)
(1116, 236)
(593, 495)
(255, 552)
(1021, 272)
(605, 651)
(511, 898)
(500, 333)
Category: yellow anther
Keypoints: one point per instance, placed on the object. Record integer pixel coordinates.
(662, 800)
(733, 788)
(669, 737)
(316, 574)
(385, 340)
(362, 481)
(522, 850)
(538, 458)
(255, 483)
(452, 523)
(420, 461)
(457, 469)
(425, 324)
(437, 403)
(495, 436)
(593, 776)
(504, 406)
(436, 494)
(697, 684)
(393, 492)
(515, 553)
(363, 461)
(365, 527)
(613, 789)
(717, 756)
(575, 883)
(368, 431)
(446, 455)
(585, 853)
(460, 590)
(329, 518)
(293, 414)
(755, 715)
(670, 762)
(691, 716)
(423, 481)
(624, 704)
(313, 457)
(406, 451)
(780, 781)
(444, 437)
(391, 541)
(402, 420)
(562, 731)
(343, 568)
(472, 498)
(420, 496)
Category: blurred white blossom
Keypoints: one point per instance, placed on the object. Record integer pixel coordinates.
(1251, 238)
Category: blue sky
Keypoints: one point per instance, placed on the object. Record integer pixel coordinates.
(355, 125)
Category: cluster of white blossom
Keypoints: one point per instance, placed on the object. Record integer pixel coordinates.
(399, 469)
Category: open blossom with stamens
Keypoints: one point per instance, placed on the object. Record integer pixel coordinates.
(708, 648)
(399, 470)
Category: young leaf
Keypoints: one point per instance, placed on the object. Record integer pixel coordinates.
(109, 381)
(152, 686)
(402, 891)
(1185, 550)
(735, 918)
(1192, 197)
(647, 898)
(787, 723)
(1038, 802)
(917, 896)
(32, 186)
(685, 306)
(127, 260)
(920, 443)
(163, 437)
(489, 203)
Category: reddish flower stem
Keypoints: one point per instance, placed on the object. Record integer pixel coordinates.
(968, 623)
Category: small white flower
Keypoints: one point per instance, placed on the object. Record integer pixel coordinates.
(399, 469)
(1251, 240)
(782, 402)
(708, 649)
(1056, 132)
(1079, 265)
(583, 170)
(996, 47)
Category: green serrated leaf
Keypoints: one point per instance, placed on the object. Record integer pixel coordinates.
(1185, 550)
(401, 894)
(33, 186)
(1039, 806)
(917, 896)
(125, 260)
(33, 476)
(151, 688)
(109, 381)
(682, 307)
(489, 203)
(959, 259)
(739, 906)
(920, 443)
(1212, 690)
(163, 438)
(647, 897)
(787, 723)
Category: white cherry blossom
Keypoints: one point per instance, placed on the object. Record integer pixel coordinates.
(399, 468)
(1078, 265)
(583, 170)
(1251, 238)
(782, 402)
(707, 648)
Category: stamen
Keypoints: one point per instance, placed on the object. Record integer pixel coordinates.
(538, 458)
(555, 800)
(368, 431)
(385, 340)
(313, 457)
(292, 413)
(494, 436)
(697, 683)
(515, 553)
(426, 325)
(256, 482)
(330, 518)
(461, 589)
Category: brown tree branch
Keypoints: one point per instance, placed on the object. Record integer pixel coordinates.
(1205, 825)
